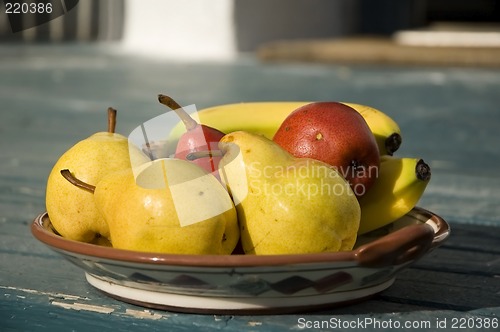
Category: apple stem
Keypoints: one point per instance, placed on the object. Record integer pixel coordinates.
(111, 120)
(76, 182)
(205, 153)
(189, 122)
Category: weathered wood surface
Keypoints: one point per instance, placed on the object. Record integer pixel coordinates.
(45, 292)
(51, 97)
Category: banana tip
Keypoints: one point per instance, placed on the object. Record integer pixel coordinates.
(392, 143)
(423, 171)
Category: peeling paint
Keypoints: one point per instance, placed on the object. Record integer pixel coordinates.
(83, 306)
(143, 314)
(50, 294)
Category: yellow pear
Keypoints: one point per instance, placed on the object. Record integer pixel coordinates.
(168, 206)
(286, 205)
(72, 210)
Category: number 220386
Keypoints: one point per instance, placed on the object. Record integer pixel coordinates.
(472, 323)
(28, 8)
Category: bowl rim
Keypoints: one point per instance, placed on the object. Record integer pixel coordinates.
(42, 230)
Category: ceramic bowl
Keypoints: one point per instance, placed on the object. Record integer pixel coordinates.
(249, 284)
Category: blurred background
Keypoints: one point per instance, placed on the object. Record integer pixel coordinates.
(298, 30)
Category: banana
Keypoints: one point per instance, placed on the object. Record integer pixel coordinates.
(266, 117)
(400, 184)
(258, 117)
(386, 130)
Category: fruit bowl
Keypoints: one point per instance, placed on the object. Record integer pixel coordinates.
(250, 284)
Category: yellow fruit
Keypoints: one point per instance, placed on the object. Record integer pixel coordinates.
(72, 210)
(399, 186)
(172, 206)
(286, 205)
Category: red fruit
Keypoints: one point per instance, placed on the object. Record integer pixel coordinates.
(336, 134)
(197, 138)
(200, 138)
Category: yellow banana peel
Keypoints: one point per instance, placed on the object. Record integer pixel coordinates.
(258, 117)
(386, 130)
(400, 184)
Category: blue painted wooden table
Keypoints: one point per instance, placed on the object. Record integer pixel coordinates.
(53, 96)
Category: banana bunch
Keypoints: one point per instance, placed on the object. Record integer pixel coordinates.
(400, 183)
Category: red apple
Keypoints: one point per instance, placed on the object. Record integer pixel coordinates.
(336, 134)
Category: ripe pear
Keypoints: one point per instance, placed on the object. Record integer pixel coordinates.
(197, 138)
(286, 205)
(72, 211)
(335, 134)
(171, 206)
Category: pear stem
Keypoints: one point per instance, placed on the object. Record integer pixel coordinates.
(111, 120)
(189, 122)
(205, 153)
(76, 182)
